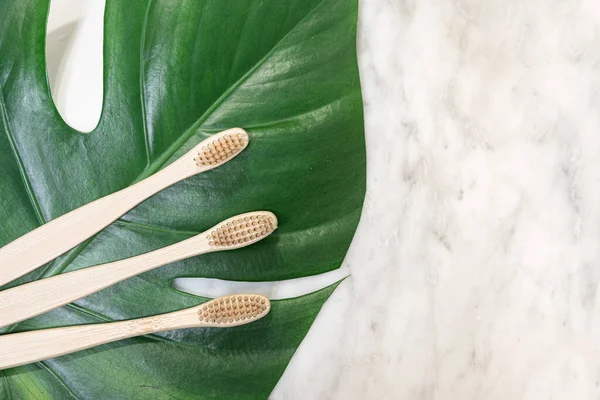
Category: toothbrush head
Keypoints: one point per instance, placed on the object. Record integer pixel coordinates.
(220, 148)
(242, 230)
(234, 310)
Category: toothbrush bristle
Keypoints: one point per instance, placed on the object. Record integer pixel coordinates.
(234, 310)
(222, 149)
(242, 230)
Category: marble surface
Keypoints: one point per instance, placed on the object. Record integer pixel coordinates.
(475, 269)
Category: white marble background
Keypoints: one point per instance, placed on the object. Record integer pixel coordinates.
(475, 269)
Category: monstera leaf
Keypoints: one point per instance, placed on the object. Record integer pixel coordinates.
(175, 72)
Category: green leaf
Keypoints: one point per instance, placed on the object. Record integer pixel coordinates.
(176, 72)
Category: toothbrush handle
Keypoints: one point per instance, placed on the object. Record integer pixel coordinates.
(37, 297)
(62, 234)
(27, 347)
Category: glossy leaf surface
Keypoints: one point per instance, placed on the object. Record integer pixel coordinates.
(175, 72)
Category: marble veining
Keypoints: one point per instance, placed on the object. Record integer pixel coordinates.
(475, 268)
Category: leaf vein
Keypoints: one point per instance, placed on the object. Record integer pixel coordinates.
(8, 391)
(155, 228)
(60, 380)
(26, 181)
(161, 161)
(143, 86)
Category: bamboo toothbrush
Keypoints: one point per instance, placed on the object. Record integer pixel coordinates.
(50, 240)
(224, 312)
(34, 298)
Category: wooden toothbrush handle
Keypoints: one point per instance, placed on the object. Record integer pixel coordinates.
(34, 298)
(27, 347)
(62, 234)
